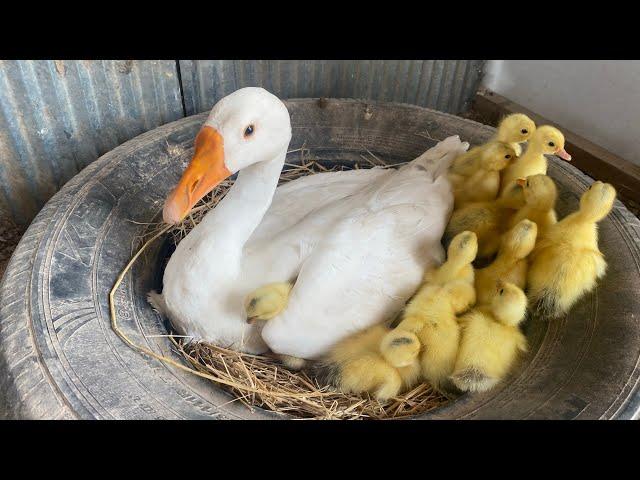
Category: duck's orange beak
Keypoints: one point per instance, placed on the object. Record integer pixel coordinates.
(206, 170)
(562, 153)
(521, 181)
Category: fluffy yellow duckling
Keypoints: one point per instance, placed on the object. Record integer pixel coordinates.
(429, 320)
(355, 365)
(460, 254)
(266, 303)
(483, 181)
(515, 129)
(429, 330)
(483, 156)
(488, 220)
(491, 339)
(546, 140)
(512, 130)
(510, 265)
(566, 262)
(540, 195)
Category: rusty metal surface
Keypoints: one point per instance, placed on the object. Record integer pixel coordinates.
(445, 85)
(57, 116)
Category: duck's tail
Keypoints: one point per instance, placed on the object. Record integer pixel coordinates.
(473, 379)
(156, 300)
(439, 158)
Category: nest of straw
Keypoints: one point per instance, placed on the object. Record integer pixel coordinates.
(261, 380)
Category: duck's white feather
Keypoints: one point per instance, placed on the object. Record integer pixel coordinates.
(355, 244)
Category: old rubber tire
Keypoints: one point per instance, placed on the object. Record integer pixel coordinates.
(59, 357)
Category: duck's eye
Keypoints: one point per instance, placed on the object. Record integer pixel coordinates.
(501, 291)
(527, 184)
(551, 144)
(507, 156)
(249, 131)
(524, 131)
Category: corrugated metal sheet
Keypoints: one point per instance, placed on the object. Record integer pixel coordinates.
(58, 116)
(446, 85)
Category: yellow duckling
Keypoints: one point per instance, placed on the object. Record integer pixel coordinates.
(540, 195)
(491, 339)
(483, 181)
(267, 302)
(429, 320)
(460, 254)
(355, 365)
(510, 265)
(515, 129)
(485, 155)
(429, 330)
(546, 140)
(566, 262)
(488, 220)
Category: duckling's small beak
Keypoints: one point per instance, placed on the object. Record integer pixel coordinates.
(206, 170)
(521, 181)
(562, 153)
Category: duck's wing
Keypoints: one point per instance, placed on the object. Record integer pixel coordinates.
(296, 199)
(365, 267)
(362, 273)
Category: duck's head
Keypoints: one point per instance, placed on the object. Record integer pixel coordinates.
(539, 191)
(597, 201)
(246, 127)
(508, 303)
(497, 156)
(516, 128)
(551, 141)
(520, 240)
(463, 248)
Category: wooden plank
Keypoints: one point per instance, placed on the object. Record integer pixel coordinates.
(592, 159)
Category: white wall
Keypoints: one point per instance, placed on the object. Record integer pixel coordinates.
(597, 99)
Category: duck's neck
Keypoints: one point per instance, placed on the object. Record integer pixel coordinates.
(239, 213)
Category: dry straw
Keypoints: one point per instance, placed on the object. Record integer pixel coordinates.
(260, 380)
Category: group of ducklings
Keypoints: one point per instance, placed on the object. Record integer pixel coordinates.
(461, 328)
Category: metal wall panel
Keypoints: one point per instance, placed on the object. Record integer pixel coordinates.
(58, 116)
(446, 85)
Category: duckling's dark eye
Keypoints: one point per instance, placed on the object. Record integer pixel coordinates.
(524, 131)
(507, 156)
(248, 131)
(551, 144)
(527, 183)
(501, 291)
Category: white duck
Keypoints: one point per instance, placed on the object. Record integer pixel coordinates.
(354, 244)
